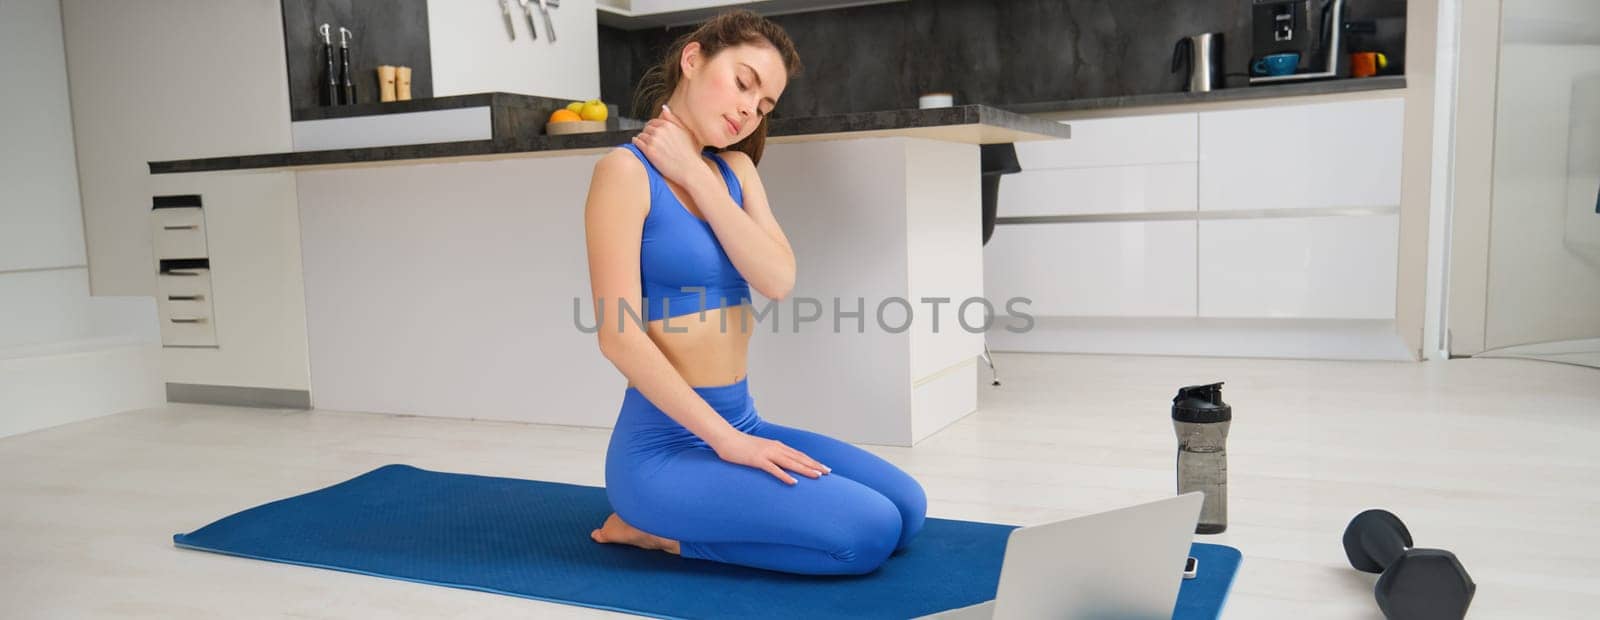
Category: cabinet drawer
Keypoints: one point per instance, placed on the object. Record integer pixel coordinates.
(1340, 154)
(1093, 268)
(1080, 191)
(197, 307)
(188, 330)
(1303, 267)
(1160, 139)
(184, 282)
(184, 301)
(179, 233)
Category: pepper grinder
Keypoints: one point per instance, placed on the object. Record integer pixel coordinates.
(347, 85)
(328, 93)
(402, 83)
(386, 75)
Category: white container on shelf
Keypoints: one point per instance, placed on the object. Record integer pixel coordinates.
(936, 100)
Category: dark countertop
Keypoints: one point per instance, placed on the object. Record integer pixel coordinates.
(974, 124)
(494, 100)
(1265, 91)
(518, 114)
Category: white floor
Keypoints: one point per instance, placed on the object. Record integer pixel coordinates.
(1582, 352)
(1491, 458)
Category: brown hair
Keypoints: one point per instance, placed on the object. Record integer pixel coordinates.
(727, 30)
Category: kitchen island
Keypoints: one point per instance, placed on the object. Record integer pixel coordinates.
(450, 279)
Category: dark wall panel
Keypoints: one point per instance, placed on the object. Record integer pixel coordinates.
(386, 32)
(996, 52)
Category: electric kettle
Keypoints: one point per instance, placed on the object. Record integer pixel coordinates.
(1203, 54)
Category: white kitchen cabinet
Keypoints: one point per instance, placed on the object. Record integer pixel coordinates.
(1113, 189)
(647, 7)
(1141, 269)
(1301, 267)
(1111, 165)
(249, 284)
(1260, 231)
(1339, 154)
(638, 14)
(183, 284)
(1134, 140)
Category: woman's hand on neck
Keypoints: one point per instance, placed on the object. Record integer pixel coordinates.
(676, 152)
(679, 109)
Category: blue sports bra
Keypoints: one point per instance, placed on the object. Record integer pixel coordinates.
(680, 251)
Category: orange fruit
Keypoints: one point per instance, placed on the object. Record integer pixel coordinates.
(564, 115)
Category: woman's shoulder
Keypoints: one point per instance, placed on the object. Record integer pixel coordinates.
(740, 163)
(619, 177)
(738, 160)
(619, 164)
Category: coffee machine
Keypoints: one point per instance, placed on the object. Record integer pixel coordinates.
(1310, 28)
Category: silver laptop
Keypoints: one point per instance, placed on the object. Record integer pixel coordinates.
(1125, 564)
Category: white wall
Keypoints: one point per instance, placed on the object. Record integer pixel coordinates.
(164, 79)
(43, 226)
(1544, 247)
(43, 279)
(63, 356)
(472, 53)
(175, 79)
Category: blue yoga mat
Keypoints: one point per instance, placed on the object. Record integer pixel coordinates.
(531, 539)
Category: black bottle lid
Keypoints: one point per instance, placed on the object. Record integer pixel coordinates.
(1201, 404)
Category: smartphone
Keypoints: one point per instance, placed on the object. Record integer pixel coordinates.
(1190, 567)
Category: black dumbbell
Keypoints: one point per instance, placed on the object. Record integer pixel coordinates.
(1417, 584)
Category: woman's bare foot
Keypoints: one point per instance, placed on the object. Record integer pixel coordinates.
(616, 530)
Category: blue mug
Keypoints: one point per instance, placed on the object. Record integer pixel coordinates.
(1276, 64)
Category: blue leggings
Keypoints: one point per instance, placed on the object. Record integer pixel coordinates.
(666, 481)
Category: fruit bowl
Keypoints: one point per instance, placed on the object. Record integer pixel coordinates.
(562, 128)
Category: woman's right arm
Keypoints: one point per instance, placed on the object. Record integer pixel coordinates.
(619, 200)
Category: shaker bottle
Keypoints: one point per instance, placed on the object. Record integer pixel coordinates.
(1201, 420)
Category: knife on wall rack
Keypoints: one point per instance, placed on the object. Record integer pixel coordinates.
(527, 11)
(544, 10)
(505, 12)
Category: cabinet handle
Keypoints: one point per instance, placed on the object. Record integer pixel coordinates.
(185, 297)
(180, 273)
(182, 227)
(196, 320)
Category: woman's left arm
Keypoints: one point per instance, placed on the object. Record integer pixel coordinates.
(751, 236)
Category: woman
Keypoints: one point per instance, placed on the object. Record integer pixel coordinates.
(692, 469)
